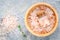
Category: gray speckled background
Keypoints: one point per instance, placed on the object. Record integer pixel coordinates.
(18, 8)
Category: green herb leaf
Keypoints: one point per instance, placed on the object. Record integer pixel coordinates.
(24, 34)
(19, 27)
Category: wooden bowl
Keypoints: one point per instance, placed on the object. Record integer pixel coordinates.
(30, 10)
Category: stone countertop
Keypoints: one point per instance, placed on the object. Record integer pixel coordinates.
(19, 8)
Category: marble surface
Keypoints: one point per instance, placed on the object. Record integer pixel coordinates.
(19, 8)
